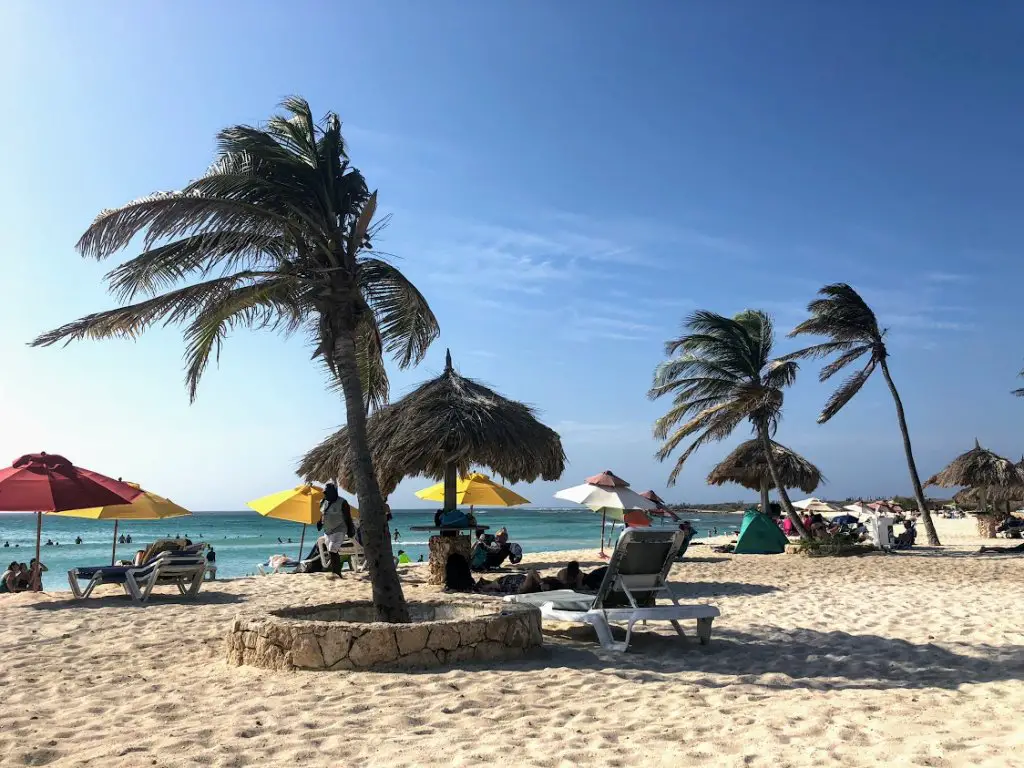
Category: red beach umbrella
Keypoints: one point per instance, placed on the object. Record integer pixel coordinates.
(47, 482)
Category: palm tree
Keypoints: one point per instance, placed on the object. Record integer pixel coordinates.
(277, 234)
(846, 319)
(1019, 392)
(721, 373)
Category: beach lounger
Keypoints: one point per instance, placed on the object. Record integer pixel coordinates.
(185, 571)
(637, 574)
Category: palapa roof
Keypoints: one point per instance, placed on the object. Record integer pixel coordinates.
(449, 419)
(978, 467)
(969, 497)
(746, 466)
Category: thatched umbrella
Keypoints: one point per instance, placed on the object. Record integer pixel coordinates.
(984, 471)
(746, 465)
(440, 430)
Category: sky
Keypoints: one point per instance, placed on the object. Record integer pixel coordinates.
(568, 181)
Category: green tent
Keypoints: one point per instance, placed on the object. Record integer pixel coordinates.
(760, 536)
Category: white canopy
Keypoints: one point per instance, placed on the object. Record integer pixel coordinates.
(814, 505)
(600, 498)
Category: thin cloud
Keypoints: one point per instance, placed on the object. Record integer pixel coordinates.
(946, 277)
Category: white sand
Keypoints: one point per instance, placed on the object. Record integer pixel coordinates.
(904, 659)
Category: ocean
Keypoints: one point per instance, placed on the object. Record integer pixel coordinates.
(244, 539)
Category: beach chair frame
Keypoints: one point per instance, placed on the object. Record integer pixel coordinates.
(646, 557)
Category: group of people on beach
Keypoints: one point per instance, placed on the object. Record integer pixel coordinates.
(458, 577)
(23, 578)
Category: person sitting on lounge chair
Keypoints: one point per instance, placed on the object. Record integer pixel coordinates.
(906, 539)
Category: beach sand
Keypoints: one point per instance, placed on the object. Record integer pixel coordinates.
(905, 659)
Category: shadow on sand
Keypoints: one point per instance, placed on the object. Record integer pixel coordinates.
(785, 659)
(206, 597)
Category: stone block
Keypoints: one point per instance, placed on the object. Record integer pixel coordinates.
(489, 651)
(306, 652)
(443, 637)
(376, 647)
(412, 638)
(471, 632)
(335, 645)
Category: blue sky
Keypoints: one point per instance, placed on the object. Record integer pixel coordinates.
(568, 180)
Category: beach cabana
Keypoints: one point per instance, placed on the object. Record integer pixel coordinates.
(747, 466)
(983, 470)
(441, 430)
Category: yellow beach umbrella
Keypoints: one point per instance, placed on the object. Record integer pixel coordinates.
(476, 490)
(300, 504)
(146, 506)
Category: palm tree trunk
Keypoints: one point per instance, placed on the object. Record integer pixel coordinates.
(388, 599)
(787, 506)
(915, 480)
(764, 496)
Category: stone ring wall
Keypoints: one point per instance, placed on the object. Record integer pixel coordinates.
(345, 636)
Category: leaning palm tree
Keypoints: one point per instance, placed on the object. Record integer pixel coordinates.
(853, 332)
(277, 234)
(746, 466)
(721, 373)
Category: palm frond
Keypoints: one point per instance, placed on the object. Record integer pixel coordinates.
(274, 303)
(406, 322)
(130, 321)
(817, 351)
(167, 265)
(845, 393)
(842, 361)
(170, 215)
(370, 359)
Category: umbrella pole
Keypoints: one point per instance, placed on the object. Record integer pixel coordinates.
(450, 481)
(39, 534)
(302, 542)
(601, 554)
(113, 549)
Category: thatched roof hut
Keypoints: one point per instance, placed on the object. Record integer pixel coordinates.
(989, 476)
(440, 430)
(747, 466)
(970, 497)
(979, 468)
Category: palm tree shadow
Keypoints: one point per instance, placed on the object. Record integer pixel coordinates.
(778, 659)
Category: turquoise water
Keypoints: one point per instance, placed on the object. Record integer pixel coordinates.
(244, 539)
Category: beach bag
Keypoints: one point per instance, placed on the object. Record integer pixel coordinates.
(478, 562)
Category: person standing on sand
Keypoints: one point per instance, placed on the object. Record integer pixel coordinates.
(336, 523)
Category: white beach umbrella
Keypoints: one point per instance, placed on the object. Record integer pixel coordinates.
(814, 505)
(608, 494)
(859, 508)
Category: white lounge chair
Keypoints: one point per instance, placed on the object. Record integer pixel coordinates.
(637, 574)
(185, 571)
